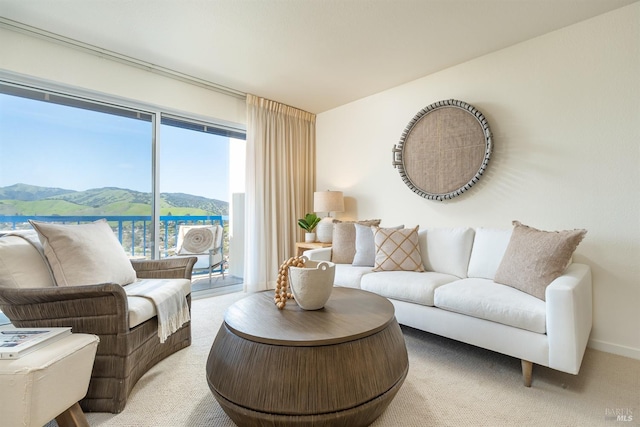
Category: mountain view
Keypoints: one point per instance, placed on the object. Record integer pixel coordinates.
(24, 199)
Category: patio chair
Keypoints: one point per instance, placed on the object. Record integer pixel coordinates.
(204, 242)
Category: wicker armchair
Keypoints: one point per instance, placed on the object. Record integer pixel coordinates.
(124, 354)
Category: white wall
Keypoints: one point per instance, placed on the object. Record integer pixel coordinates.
(51, 61)
(564, 110)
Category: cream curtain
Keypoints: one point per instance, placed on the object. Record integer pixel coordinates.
(279, 186)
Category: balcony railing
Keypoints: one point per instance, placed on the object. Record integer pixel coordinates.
(133, 232)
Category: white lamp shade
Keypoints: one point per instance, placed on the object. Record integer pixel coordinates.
(328, 201)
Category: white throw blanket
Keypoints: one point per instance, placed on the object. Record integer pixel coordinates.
(170, 301)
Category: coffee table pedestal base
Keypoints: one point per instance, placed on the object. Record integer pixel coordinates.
(347, 384)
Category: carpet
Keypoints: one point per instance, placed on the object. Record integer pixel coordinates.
(449, 384)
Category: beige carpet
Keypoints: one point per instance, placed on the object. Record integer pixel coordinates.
(449, 384)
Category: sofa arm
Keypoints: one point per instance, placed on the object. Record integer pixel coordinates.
(167, 268)
(320, 254)
(569, 317)
(94, 309)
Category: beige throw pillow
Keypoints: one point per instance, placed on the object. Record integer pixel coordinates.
(343, 247)
(84, 254)
(535, 258)
(397, 250)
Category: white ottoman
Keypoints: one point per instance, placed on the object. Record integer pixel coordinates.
(48, 383)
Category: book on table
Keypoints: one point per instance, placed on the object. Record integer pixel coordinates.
(16, 342)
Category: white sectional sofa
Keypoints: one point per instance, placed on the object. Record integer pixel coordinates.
(456, 297)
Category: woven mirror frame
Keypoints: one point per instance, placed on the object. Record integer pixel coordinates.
(444, 150)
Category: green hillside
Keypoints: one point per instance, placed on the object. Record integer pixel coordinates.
(41, 207)
(23, 199)
(29, 192)
(100, 197)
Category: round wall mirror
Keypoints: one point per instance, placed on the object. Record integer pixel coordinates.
(444, 150)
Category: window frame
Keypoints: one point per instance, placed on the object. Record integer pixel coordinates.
(111, 104)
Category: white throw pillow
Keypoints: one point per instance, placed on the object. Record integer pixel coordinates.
(365, 246)
(196, 239)
(489, 246)
(22, 265)
(447, 250)
(84, 254)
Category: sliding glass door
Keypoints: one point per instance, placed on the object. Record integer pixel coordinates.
(71, 159)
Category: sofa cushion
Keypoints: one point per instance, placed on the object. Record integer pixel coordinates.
(397, 250)
(485, 299)
(410, 286)
(350, 276)
(344, 240)
(84, 254)
(534, 258)
(365, 255)
(142, 309)
(22, 265)
(446, 250)
(488, 249)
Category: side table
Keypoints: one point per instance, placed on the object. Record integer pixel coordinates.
(48, 383)
(305, 246)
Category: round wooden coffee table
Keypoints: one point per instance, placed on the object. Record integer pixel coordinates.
(340, 365)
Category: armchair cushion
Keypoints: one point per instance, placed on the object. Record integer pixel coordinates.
(142, 309)
(169, 296)
(81, 254)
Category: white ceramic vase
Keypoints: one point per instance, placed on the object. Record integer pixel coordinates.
(312, 284)
(324, 230)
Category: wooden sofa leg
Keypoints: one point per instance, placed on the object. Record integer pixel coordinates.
(72, 417)
(527, 370)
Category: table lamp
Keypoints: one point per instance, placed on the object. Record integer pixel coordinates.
(327, 201)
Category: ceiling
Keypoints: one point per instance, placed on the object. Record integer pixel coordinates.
(310, 54)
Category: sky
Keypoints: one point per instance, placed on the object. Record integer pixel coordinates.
(52, 145)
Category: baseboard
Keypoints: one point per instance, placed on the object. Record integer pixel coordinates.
(618, 349)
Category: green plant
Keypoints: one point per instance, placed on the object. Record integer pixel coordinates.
(309, 222)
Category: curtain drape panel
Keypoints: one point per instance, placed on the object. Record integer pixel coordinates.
(280, 183)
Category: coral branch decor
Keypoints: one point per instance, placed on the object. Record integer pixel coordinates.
(282, 293)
